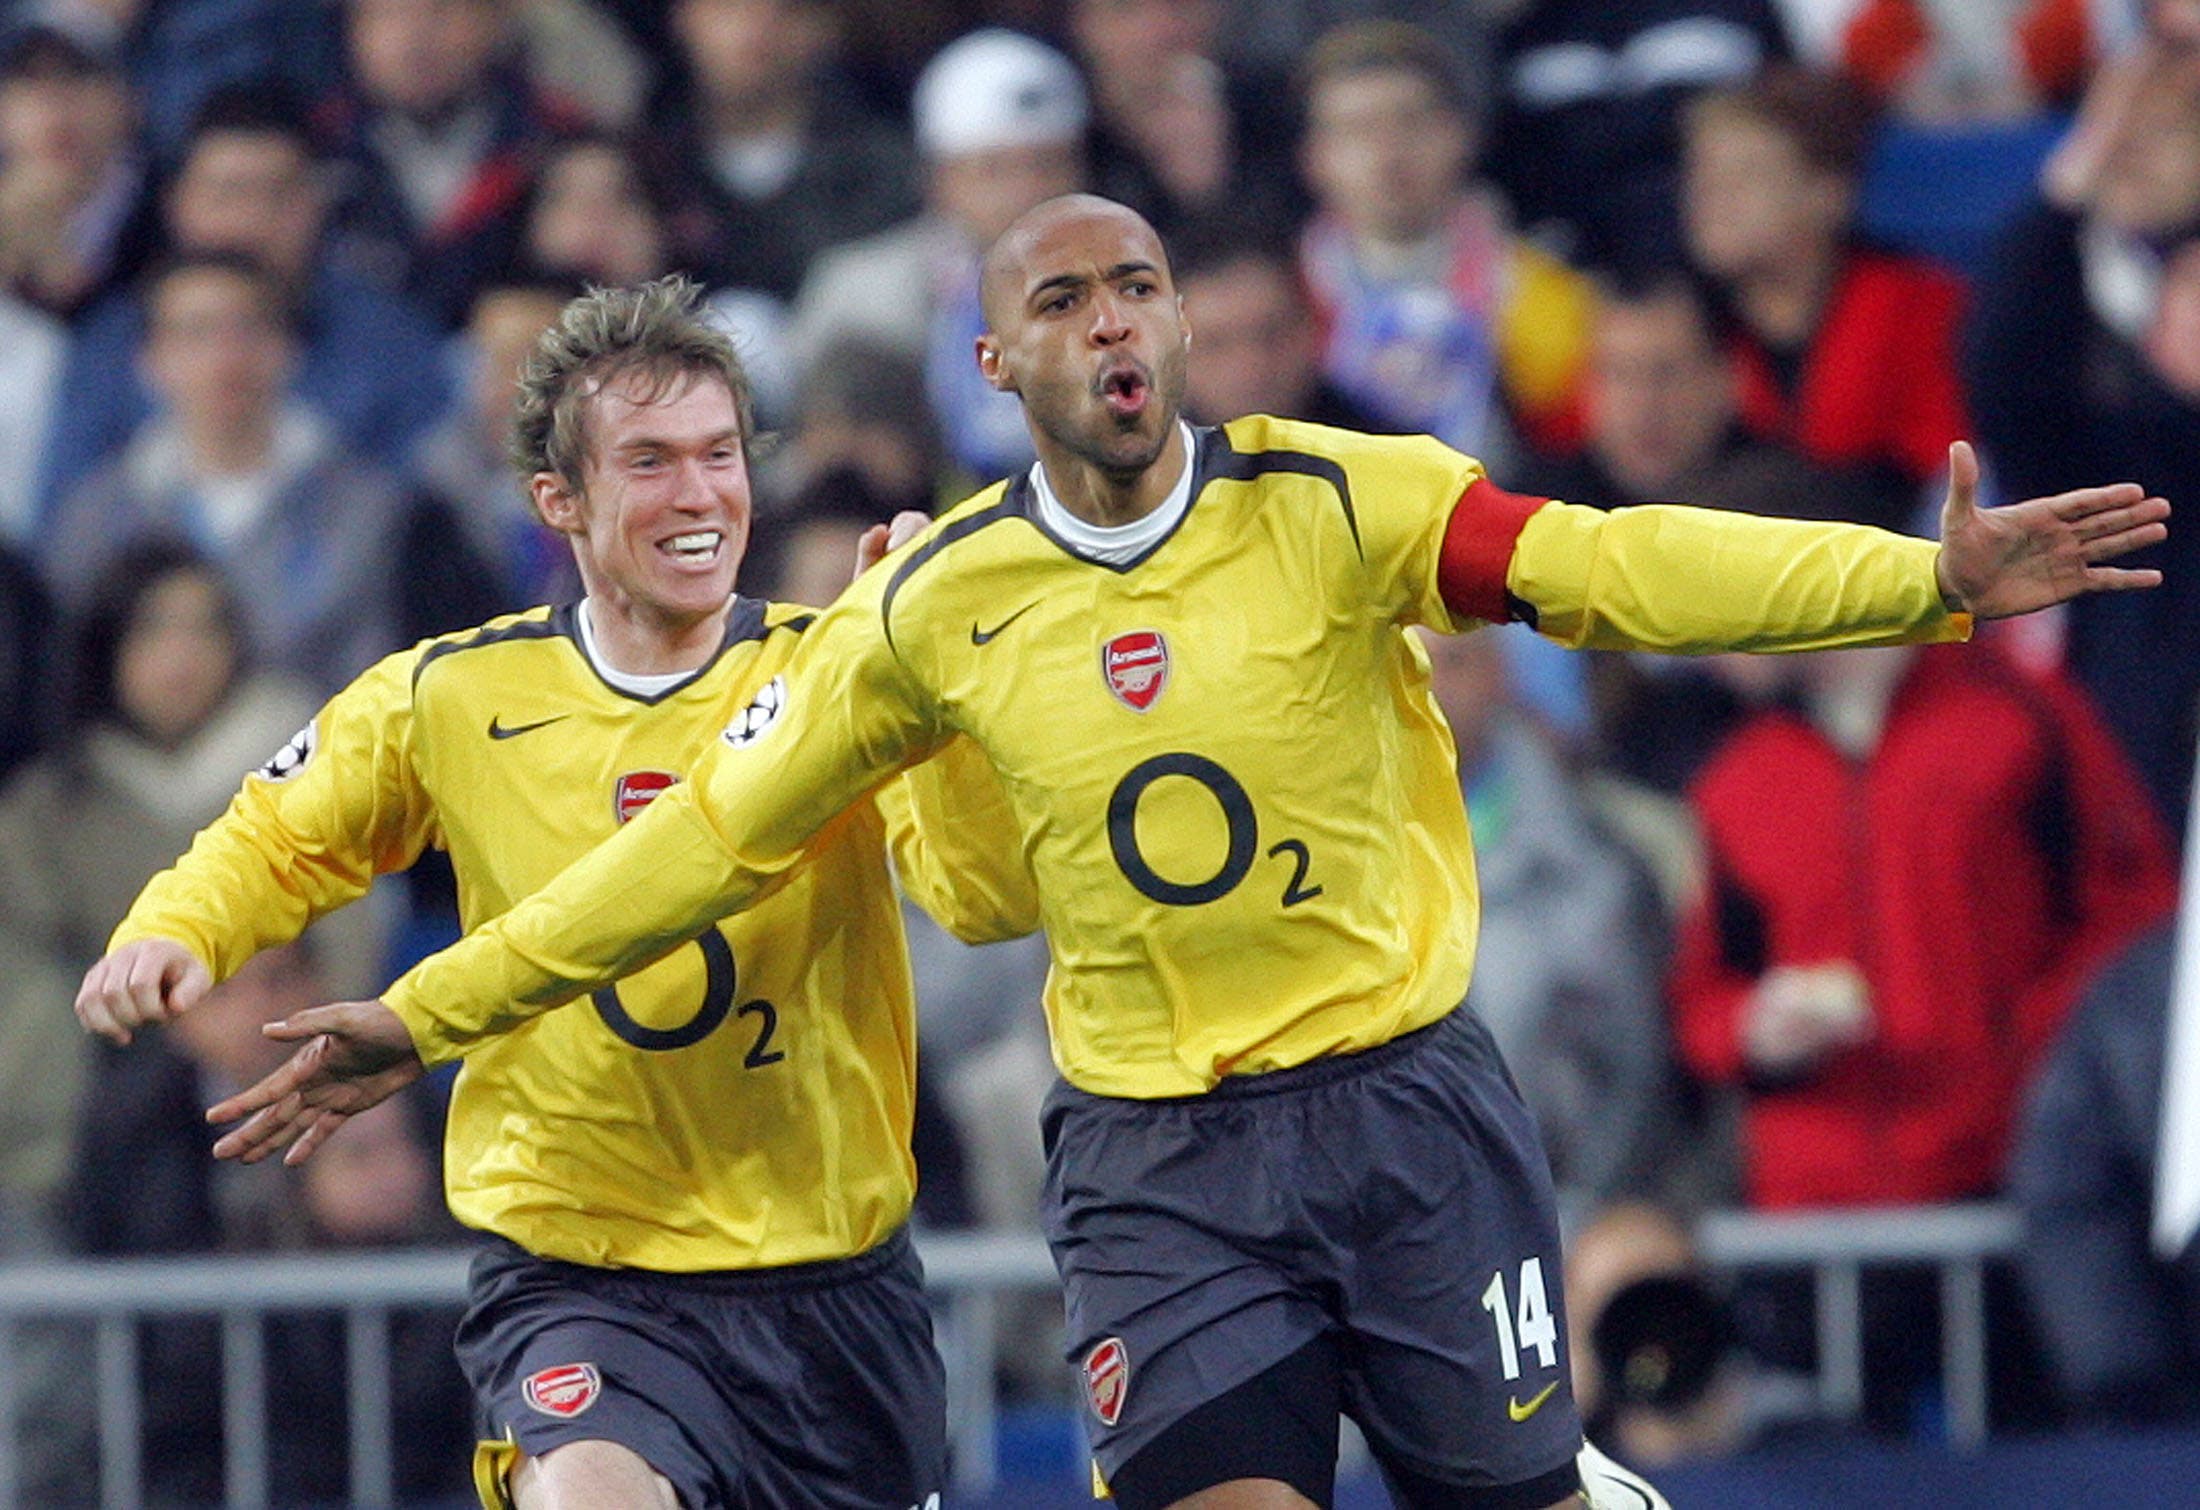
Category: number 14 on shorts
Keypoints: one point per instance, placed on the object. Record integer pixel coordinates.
(1536, 1326)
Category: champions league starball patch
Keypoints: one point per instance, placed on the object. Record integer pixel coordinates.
(564, 1391)
(755, 721)
(1136, 666)
(1108, 1380)
(291, 758)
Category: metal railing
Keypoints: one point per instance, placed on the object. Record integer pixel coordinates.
(967, 1273)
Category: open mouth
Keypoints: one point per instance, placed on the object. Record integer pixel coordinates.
(1125, 391)
(696, 547)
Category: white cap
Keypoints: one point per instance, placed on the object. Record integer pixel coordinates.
(997, 88)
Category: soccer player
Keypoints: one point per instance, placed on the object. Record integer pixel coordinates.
(698, 1285)
(1287, 1180)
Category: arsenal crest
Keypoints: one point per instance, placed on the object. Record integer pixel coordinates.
(1108, 1380)
(1136, 666)
(564, 1391)
(637, 789)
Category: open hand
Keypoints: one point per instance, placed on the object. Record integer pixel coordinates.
(2031, 555)
(356, 1054)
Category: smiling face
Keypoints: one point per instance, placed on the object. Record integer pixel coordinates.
(661, 516)
(1086, 328)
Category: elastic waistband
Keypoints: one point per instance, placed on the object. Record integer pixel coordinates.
(1298, 1077)
(817, 1274)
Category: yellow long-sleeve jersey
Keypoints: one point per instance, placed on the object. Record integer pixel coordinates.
(1222, 759)
(745, 1100)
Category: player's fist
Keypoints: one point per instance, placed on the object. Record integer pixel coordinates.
(140, 984)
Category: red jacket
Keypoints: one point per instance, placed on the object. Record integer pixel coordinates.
(1994, 848)
(1879, 383)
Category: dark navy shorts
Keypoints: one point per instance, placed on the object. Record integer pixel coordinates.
(814, 1385)
(1395, 1205)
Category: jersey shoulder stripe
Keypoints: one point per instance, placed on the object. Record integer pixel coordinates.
(534, 624)
(1220, 460)
(1011, 504)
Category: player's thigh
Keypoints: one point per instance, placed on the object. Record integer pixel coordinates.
(558, 1358)
(843, 1388)
(1457, 1368)
(1269, 1443)
(590, 1475)
(1172, 1297)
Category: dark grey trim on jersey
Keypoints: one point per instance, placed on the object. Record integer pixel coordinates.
(546, 628)
(1218, 460)
(1006, 508)
(744, 623)
(1213, 459)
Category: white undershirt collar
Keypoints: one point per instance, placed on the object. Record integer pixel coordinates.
(633, 683)
(1117, 544)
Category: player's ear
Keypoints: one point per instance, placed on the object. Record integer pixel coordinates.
(558, 504)
(990, 366)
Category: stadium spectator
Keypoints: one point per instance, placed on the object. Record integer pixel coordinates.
(142, 1185)
(232, 461)
(1180, 129)
(31, 347)
(1910, 875)
(251, 183)
(464, 462)
(1846, 353)
(856, 417)
(74, 213)
(1662, 410)
(1568, 956)
(790, 160)
(177, 53)
(2121, 1326)
(1664, 1378)
(1000, 122)
(1942, 63)
(164, 711)
(1586, 141)
(1435, 315)
(439, 127)
(1259, 348)
(1241, 1159)
(2100, 277)
(605, 209)
(27, 661)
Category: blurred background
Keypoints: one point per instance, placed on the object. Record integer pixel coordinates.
(1841, 985)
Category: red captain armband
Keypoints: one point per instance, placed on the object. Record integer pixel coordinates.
(1478, 547)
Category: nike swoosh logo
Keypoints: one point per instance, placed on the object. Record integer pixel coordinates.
(986, 636)
(1520, 1412)
(507, 731)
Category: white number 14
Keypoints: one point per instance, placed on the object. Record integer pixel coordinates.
(1538, 1327)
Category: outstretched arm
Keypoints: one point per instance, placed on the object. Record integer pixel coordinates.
(1995, 563)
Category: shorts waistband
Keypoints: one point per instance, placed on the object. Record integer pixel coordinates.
(816, 1274)
(1298, 1077)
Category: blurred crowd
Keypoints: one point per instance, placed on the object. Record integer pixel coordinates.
(1853, 929)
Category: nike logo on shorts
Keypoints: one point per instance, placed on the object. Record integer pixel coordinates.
(1520, 1412)
(498, 730)
(986, 636)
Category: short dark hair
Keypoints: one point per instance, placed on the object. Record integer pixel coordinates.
(657, 329)
(116, 598)
(50, 52)
(274, 292)
(1387, 47)
(256, 107)
(1828, 118)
